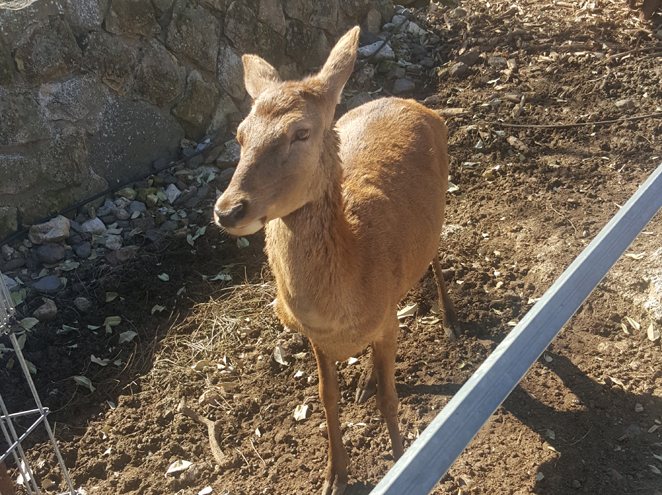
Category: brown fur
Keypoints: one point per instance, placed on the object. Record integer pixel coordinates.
(352, 213)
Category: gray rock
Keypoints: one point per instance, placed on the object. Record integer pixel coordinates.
(226, 176)
(127, 192)
(230, 72)
(122, 214)
(137, 207)
(79, 100)
(358, 100)
(373, 21)
(113, 242)
(497, 62)
(47, 50)
(82, 304)
(322, 15)
(55, 230)
(135, 17)
(169, 226)
(132, 134)
(9, 282)
(403, 85)
(113, 58)
(51, 253)
(47, 311)
(470, 57)
(83, 250)
(50, 284)
(270, 12)
(373, 50)
(459, 70)
(7, 251)
(13, 264)
(8, 220)
(625, 104)
(230, 155)
(159, 78)
(196, 109)
(93, 226)
(85, 15)
(108, 208)
(194, 34)
(172, 193)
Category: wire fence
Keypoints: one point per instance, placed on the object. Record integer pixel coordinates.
(8, 421)
(441, 443)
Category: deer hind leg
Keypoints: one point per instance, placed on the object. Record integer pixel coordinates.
(451, 326)
(387, 398)
(367, 383)
(335, 476)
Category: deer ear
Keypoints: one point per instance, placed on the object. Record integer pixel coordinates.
(258, 74)
(340, 64)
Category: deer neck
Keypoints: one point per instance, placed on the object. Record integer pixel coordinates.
(310, 249)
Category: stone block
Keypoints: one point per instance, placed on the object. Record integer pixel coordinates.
(85, 15)
(196, 109)
(133, 17)
(132, 135)
(8, 220)
(194, 34)
(46, 51)
(159, 78)
(230, 72)
(78, 100)
(323, 15)
(113, 58)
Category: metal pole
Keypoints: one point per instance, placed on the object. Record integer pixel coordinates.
(433, 453)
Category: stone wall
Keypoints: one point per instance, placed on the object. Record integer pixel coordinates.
(93, 91)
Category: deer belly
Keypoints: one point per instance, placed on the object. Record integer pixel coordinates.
(337, 337)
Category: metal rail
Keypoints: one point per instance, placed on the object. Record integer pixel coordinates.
(433, 453)
(7, 428)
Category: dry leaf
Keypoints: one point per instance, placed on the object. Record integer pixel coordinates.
(157, 308)
(111, 296)
(178, 467)
(127, 336)
(279, 355)
(301, 412)
(85, 382)
(409, 310)
(653, 333)
(633, 323)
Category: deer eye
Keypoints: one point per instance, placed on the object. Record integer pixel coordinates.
(301, 135)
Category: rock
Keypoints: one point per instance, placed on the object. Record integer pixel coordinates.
(122, 214)
(135, 17)
(307, 44)
(13, 264)
(459, 70)
(47, 311)
(7, 251)
(122, 255)
(113, 58)
(377, 51)
(403, 85)
(172, 193)
(230, 155)
(230, 72)
(373, 21)
(159, 78)
(225, 177)
(93, 226)
(108, 208)
(127, 192)
(50, 284)
(51, 253)
(358, 100)
(322, 15)
(169, 226)
(194, 34)
(55, 230)
(625, 104)
(9, 282)
(137, 207)
(497, 62)
(113, 242)
(196, 109)
(46, 50)
(8, 220)
(414, 29)
(82, 304)
(470, 57)
(83, 250)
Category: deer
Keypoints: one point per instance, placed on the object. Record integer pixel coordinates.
(352, 213)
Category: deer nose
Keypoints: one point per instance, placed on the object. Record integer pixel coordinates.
(230, 217)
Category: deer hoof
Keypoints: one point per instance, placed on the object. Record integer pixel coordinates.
(336, 488)
(452, 330)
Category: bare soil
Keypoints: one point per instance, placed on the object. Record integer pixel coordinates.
(587, 418)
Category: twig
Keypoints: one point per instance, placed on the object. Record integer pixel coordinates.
(213, 430)
(258, 454)
(582, 438)
(579, 124)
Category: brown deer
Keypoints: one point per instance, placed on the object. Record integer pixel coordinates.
(353, 215)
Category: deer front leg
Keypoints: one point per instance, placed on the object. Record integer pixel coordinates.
(384, 351)
(335, 476)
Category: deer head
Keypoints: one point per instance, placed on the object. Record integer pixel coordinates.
(282, 140)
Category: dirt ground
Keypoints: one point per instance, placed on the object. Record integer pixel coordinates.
(587, 418)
